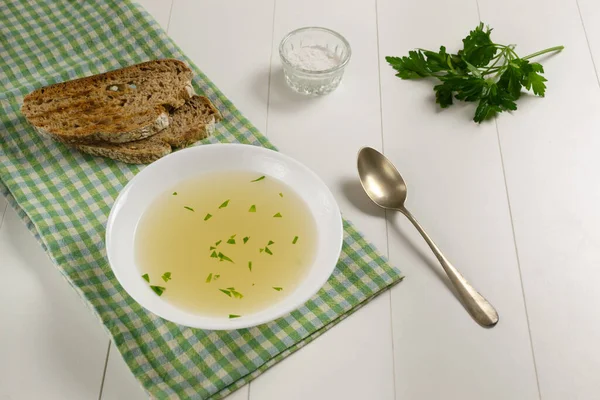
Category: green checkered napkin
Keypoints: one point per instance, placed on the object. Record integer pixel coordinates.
(65, 197)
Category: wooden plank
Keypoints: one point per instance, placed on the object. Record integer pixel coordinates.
(52, 347)
(241, 71)
(159, 9)
(456, 189)
(550, 150)
(353, 360)
(589, 10)
(3, 207)
(231, 43)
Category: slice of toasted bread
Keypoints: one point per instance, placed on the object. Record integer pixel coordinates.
(194, 121)
(119, 106)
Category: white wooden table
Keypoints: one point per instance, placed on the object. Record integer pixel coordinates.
(513, 203)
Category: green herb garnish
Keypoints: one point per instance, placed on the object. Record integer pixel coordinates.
(227, 292)
(231, 240)
(223, 257)
(212, 247)
(166, 276)
(218, 243)
(157, 289)
(208, 216)
(279, 289)
(235, 293)
(483, 71)
(258, 179)
(268, 251)
(146, 277)
(261, 250)
(224, 204)
(278, 215)
(214, 254)
(234, 316)
(280, 194)
(295, 240)
(270, 243)
(209, 278)
(250, 265)
(174, 193)
(188, 208)
(246, 239)
(252, 208)
(216, 277)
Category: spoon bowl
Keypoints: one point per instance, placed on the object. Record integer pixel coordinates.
(380, 179)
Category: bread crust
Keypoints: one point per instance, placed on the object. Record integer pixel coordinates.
(161, 122)
(147, 156)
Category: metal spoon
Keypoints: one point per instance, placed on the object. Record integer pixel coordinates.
(384, 185)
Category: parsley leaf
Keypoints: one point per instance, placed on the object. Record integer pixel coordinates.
(223, 257)
(532, 79)
(478, 48)
(511, 78)
(411, 67)
(493, 100)
(158, 290)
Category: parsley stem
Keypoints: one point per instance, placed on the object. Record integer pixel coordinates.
(539, 53)
(487, 71)
(492, 68)
(510, 51)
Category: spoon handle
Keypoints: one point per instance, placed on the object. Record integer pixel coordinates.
(479, 308)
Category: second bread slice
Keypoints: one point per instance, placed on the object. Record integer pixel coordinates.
(194, 121)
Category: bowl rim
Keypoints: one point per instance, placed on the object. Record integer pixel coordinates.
(338, 67)
(220, 323)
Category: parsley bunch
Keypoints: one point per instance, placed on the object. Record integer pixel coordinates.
(483, 71)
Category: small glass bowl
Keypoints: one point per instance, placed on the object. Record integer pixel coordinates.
(313, 79)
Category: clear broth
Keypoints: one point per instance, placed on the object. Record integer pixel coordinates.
(175, 236)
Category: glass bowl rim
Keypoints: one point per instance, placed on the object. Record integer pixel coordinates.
(315, 28)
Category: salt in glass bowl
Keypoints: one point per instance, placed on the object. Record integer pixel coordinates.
(314, 59)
